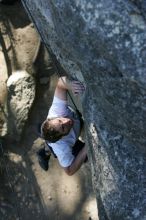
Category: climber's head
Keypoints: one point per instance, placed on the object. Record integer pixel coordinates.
(54, 129)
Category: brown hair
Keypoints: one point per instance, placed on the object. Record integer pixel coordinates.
(48, 132)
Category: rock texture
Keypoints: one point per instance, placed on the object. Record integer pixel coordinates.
(104, 44)
(21, 94)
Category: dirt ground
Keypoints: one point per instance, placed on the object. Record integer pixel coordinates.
(26, 191)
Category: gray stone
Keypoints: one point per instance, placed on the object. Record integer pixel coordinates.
(21, 94)
(104, 43)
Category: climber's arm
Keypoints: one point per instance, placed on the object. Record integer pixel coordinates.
(76, 164)
(63, 85)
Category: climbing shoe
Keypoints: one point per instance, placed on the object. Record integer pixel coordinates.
(43, 159)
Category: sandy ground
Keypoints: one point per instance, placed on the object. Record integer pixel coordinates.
(26, 191)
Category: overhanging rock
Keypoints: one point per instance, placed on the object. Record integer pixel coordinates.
(104, 42)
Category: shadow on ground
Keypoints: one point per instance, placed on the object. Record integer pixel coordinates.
(28, 192)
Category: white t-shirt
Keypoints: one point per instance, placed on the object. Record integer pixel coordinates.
(63, 147)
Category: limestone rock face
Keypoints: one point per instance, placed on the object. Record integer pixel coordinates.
(21, 94)
(104, 44)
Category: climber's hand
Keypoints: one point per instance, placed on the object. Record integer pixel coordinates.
(65, 84)
(77, 87)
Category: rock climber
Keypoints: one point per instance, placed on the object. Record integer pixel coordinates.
(62, 128)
